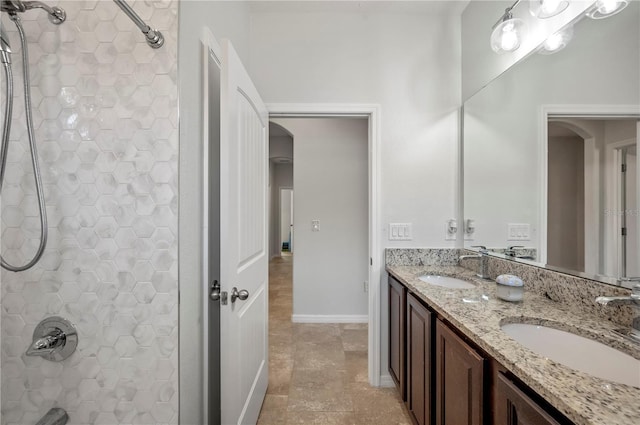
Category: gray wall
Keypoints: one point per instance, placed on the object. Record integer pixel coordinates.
(566, 208)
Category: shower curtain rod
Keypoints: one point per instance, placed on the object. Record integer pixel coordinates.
(154, 37)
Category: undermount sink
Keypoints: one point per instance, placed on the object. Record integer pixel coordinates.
(577, 352)
(446, 281)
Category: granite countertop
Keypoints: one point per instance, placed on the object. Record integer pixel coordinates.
(478, 314)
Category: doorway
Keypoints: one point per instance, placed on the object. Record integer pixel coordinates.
(375, 255)
(286, 221)
(627, 188)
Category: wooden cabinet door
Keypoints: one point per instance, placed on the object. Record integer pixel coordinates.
(419, 355)
(515, 408)
(459, 380)
(397, 334)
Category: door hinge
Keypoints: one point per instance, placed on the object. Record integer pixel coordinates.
(624, 231)
(370, 261)
(624, 168)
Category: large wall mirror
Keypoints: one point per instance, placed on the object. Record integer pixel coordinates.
(550, 155)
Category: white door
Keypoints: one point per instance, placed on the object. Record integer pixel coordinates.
(243, 238)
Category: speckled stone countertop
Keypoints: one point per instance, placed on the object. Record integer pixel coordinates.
(478, 314)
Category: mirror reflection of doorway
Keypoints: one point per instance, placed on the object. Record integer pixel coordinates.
(286, 221)
(592, 195)
(629, 208)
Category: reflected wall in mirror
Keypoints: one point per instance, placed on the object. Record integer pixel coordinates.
(562, 201)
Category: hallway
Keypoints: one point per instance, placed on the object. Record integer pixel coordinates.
(318, 372)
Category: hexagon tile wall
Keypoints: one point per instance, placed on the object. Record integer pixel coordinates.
(106, 118)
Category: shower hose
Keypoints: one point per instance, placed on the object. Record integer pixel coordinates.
(32, 145)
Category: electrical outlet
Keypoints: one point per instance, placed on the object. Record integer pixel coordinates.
(518, 232)
(400, 232)
(315, 225)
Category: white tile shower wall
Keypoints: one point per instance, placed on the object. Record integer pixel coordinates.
(105, 112)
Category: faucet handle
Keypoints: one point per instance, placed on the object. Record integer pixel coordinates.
(635, 291)
(54, 339)
(483, 249)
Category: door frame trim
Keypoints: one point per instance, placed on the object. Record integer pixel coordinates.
(372, 112)
(613, 182)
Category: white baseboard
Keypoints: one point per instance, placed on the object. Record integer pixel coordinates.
(387, 381)
(320, 318)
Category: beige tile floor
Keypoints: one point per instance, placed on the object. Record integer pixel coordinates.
(318, 372)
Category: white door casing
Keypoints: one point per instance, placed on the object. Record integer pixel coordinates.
(243, 233)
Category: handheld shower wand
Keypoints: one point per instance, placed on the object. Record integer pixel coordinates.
(56, 16)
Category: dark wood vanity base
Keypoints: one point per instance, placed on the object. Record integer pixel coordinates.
(446, 379)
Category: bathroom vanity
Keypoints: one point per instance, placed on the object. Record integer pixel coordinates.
(453, 364)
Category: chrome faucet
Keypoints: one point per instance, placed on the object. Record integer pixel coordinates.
(624, 281)
(482, 257)
(47, 344)
(55, 339)
(511, 250)
(632, 300)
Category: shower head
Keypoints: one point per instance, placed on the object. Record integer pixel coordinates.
(5, 47)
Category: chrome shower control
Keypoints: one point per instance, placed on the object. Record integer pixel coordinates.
(54, 339)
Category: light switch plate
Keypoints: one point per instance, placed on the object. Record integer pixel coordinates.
(315, 225)
(518, 232)
(400, 232)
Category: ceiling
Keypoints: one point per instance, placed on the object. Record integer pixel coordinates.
(446, 7)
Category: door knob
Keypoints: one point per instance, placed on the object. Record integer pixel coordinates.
(243, 294)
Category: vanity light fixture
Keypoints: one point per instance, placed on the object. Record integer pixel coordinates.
(557, 41)
(544, 9)
(605, 8)
(507, 32)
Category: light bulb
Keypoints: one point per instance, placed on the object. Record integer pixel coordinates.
(509, 39)
(507, 35)
(547, 8)
(605, 8)
(553, 42)
(608, 6)
(557, 41)
(550, 6)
